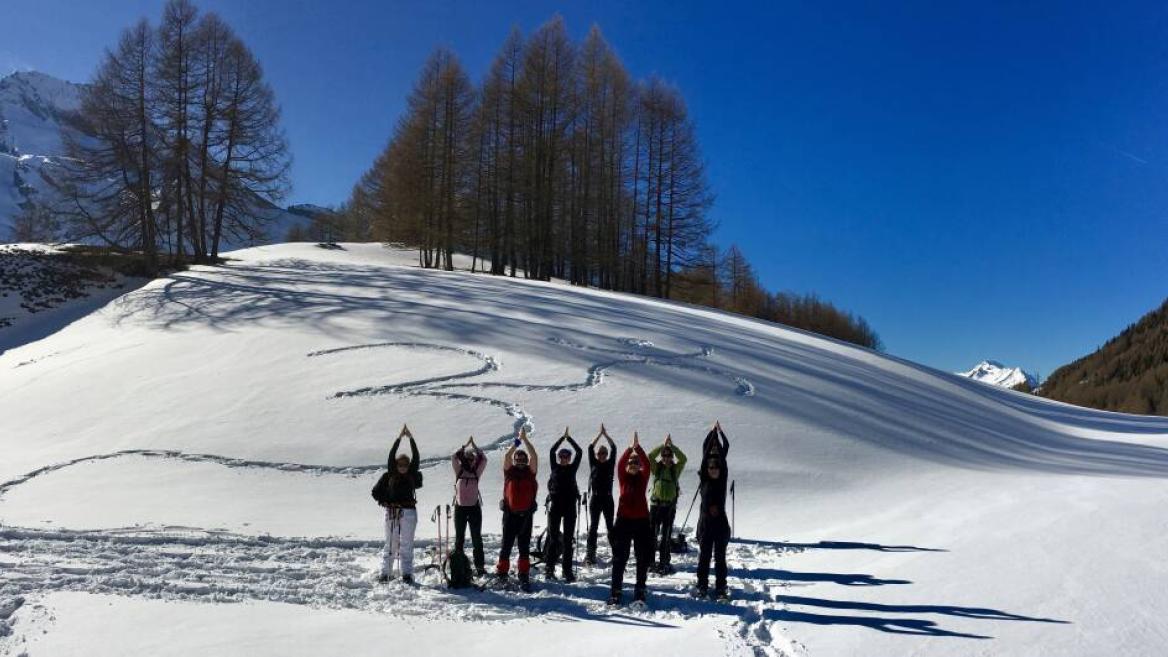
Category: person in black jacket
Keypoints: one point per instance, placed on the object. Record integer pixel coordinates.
(715, 442)
(563, 498)
(395, 491)
(713, 531)
(601, 463)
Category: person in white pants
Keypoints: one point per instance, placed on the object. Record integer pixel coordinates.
(395, 491)
(400, 526)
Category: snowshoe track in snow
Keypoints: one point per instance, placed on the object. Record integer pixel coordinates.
(194, 565)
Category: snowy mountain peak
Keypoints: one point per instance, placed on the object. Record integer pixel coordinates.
(40, 92)
(995, 373)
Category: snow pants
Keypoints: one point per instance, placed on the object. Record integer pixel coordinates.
(635, 533)
(516, 529)
(714, 535)
(598, 505)
(661, 518)
(469, 516)
(561, 518)
(400, 525)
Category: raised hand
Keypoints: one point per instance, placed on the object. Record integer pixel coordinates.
(669, 439)
(636, 440)
(405, 432)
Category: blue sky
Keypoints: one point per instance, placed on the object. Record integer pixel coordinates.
(978, 180)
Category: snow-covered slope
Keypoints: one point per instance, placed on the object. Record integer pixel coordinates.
(43, 289)
(212, 438)
(995, 373)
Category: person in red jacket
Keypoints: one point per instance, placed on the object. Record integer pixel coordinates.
(520, 488)
(632, 521)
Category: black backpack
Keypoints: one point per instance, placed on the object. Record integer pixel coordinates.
(458, 570)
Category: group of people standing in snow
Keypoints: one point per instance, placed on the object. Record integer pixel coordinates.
(638, 521)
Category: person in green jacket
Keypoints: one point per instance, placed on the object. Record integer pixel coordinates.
(667, 462)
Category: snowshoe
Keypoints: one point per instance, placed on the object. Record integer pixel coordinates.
(408, 580)
(614, 600)
(383, 578)
(549, 575)
(500, 582)
(638, 598)
(722, 596)
(525, 583)
(569, 577)
(700, 592)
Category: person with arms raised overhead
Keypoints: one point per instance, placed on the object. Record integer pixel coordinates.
(601, 461)
(563, 500)
(520, 487)
(469, 462)
(668, 462)
(713, 531)
(395, 491)
(715, 442)
(631, 528)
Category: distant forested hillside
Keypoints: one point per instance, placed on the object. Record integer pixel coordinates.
(1128, 374)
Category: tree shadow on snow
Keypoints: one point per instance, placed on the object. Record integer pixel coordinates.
(879, 400)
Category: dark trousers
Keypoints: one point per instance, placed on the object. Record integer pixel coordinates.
(661, 517)
(635, 533)
(516, 528)
(561, 514)
(598, 505)
(713, 536)
(471, 516)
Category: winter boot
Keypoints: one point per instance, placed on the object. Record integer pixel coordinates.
(614, 600)
(639, 594)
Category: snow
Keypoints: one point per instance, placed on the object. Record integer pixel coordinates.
(994, 373)
(40, 295)
(211, 438)
(133, 626)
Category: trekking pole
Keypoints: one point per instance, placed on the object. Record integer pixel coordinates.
(691, 506)
(732, 510)
(446, 545)
(436, 518)
(580, 502)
